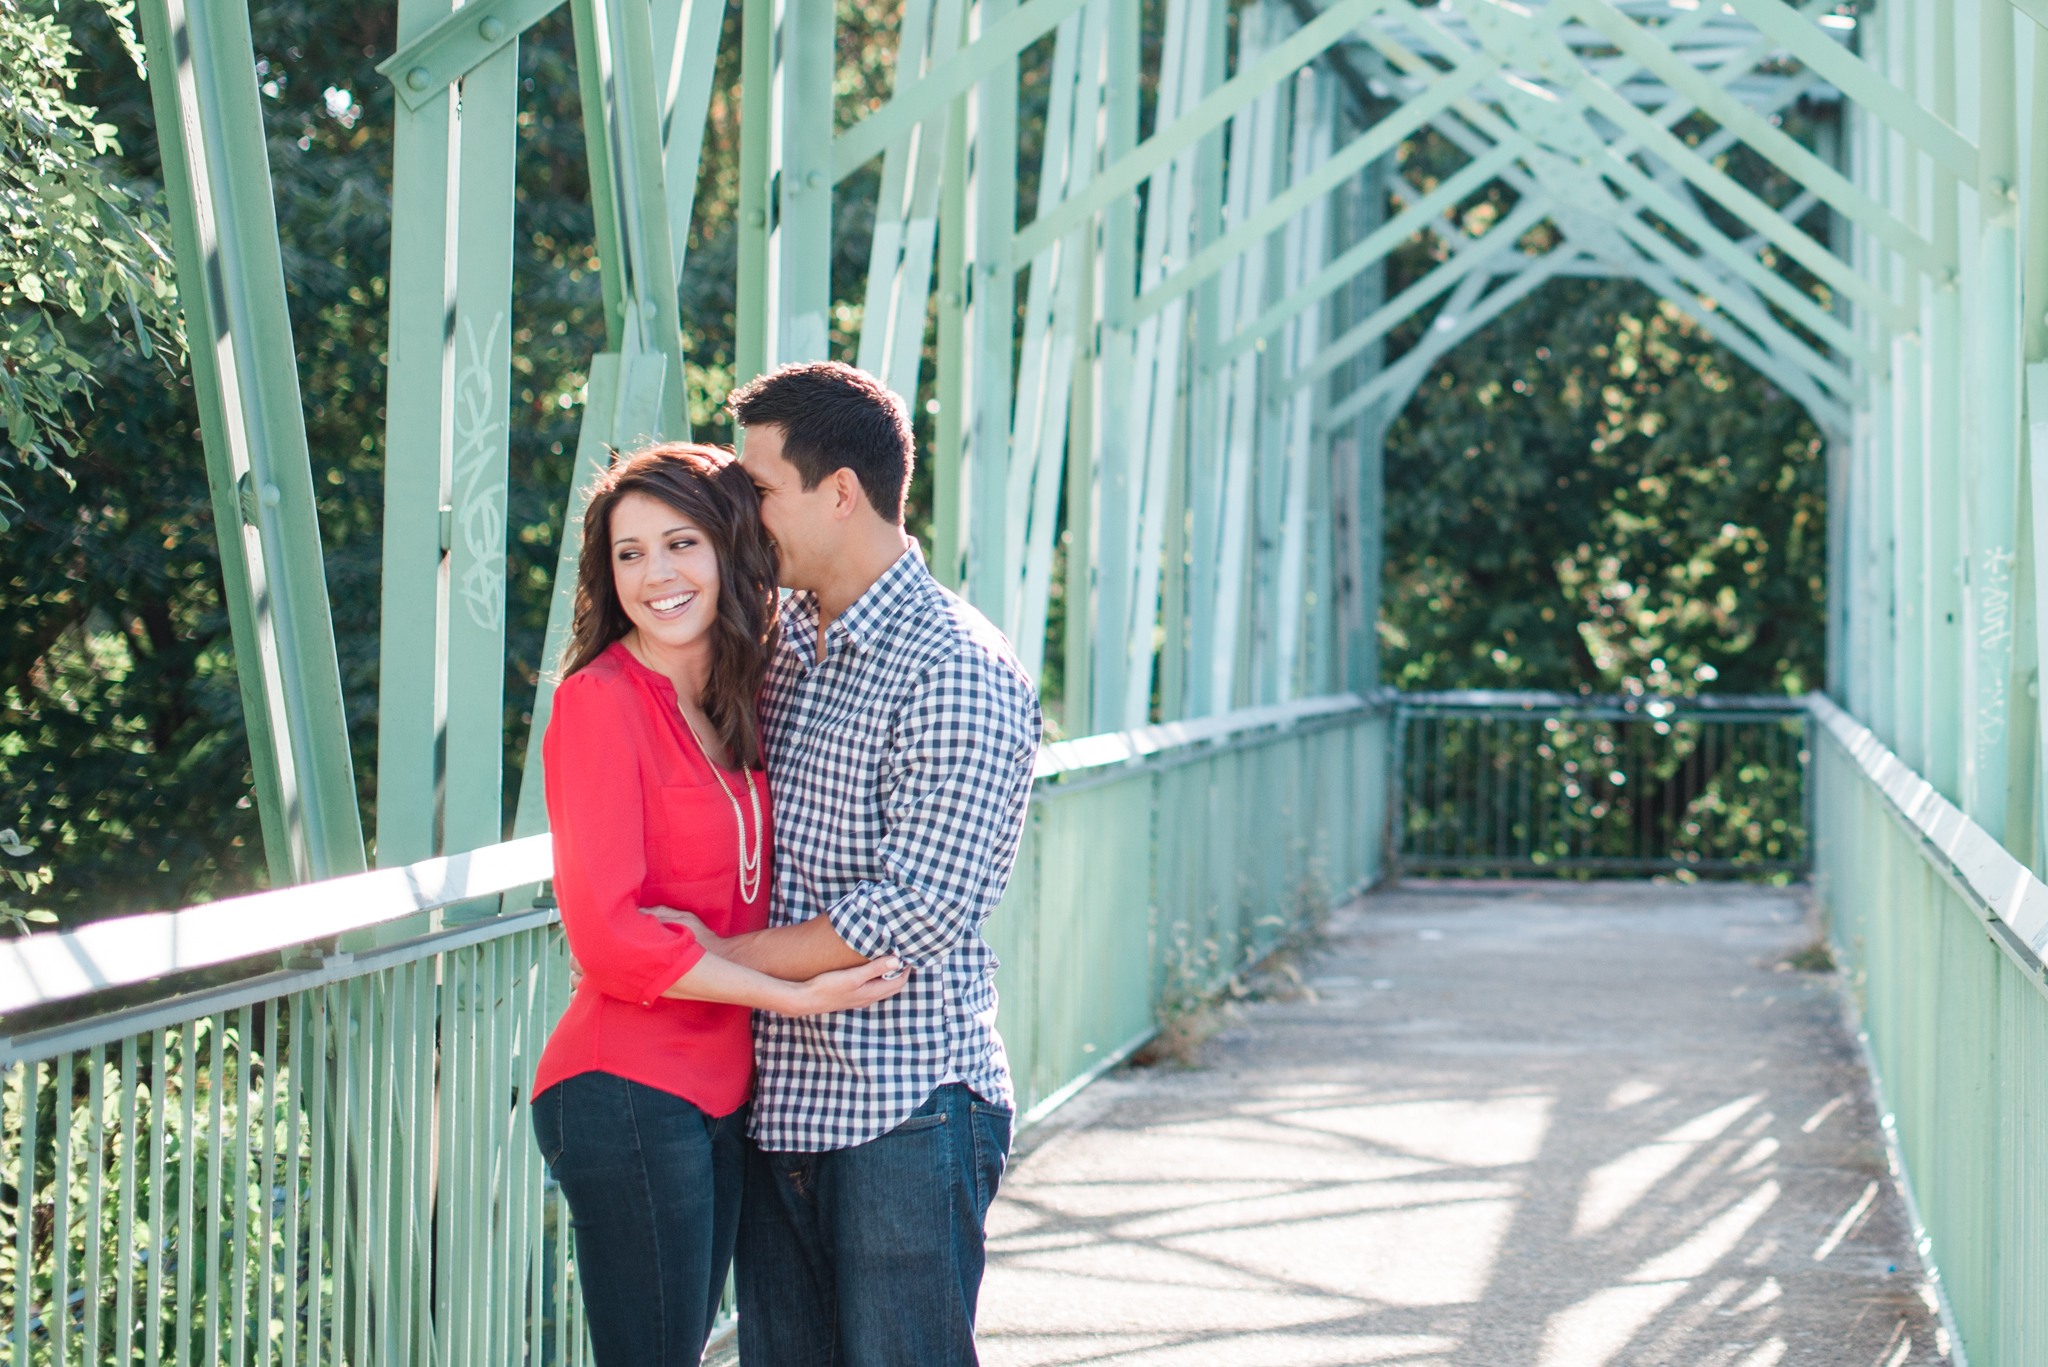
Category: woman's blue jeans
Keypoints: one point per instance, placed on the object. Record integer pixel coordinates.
(654, 1197)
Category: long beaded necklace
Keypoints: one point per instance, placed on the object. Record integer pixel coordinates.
(750, 865)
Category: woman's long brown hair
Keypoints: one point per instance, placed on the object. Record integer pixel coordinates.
(706, 485)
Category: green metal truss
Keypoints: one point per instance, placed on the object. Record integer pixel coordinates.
(1179, 364)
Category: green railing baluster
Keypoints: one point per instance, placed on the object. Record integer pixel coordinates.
(159, 1198)
(311, 1074)
(267, 1176)
(238, 1324)
(292, 1174)
(130, 1080)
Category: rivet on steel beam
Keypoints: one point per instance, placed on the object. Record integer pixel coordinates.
(491, 29)
(757, 218)
(418, 78)
(816, 180)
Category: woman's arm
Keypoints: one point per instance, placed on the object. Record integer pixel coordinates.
(713, 979)
(596, 811)
(792, 953)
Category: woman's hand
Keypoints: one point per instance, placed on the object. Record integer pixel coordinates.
(690, 921)
(847, 989)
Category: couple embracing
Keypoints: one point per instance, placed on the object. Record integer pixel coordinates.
(778, 828)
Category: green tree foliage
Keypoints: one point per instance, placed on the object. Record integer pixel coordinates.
(82, 251)
(1591, 495)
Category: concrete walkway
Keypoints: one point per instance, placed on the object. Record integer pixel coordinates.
(1513, 1126)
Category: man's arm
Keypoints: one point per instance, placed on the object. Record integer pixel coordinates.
(957, 778)
(794, 953)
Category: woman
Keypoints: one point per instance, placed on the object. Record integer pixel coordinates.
(657, 798)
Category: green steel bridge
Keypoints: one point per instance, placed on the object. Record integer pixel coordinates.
(290, 1127)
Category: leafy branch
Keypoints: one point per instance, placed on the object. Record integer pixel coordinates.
(30, 882)
(77, 244)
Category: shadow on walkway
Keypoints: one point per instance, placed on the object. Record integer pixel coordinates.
(1516, 1125)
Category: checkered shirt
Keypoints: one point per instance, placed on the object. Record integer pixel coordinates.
(901, 768)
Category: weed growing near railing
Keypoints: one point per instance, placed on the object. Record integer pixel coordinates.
(1205, 981)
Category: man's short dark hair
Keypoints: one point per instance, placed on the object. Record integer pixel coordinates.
(833, 417)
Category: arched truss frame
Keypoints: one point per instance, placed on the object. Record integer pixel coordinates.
(1169, 388)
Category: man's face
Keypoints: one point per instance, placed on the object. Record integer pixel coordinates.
(799, 520)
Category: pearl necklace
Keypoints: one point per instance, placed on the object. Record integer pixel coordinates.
(750, 865)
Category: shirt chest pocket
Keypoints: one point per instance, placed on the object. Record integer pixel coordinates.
(693, 848)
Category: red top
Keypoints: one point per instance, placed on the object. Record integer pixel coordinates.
(640, 821)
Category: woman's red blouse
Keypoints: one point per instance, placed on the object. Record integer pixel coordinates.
(640, 821)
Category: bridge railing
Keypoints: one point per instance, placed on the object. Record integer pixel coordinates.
(1545, 783)
(329, 1162)
(1941, 934)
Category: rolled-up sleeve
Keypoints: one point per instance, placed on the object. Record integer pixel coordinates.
(956, 782)
(596, 814)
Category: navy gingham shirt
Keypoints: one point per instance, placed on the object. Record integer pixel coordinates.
(901, 768)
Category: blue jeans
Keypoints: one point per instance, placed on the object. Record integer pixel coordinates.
(654, 1197)
(872, 1255)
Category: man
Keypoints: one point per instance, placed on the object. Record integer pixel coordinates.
(900, 734)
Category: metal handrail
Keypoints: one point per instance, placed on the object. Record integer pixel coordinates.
(2004, 893)
(1529, 781)
(1602, 706)
(57, 966)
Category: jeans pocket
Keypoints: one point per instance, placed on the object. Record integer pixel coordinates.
(990, 1127)
(919, 1122)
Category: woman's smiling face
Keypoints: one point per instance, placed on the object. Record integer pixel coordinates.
(665, 571)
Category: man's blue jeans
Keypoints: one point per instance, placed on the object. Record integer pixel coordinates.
(872, 1256)
(654, 1195)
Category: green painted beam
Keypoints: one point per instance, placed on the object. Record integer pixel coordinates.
(1501, 237)
(593, 80)
(411, 702)
(990, 323)
(1422, 213)
(750, 290)
(1575, 190)
(426, 65)
(1615, 163)
(950, 391)
(1653, 134)
(1789, 238)
(638, 94)
(1759, 133)
(1129, 171)
(1855, 79)
(1382, 138)
(245, 378)
(1435, 344)
(800, 247)
(1992, 431)
(687, 99)
(480, 408)
(999, 43)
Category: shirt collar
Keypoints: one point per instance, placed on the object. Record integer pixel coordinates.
(872, 612)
